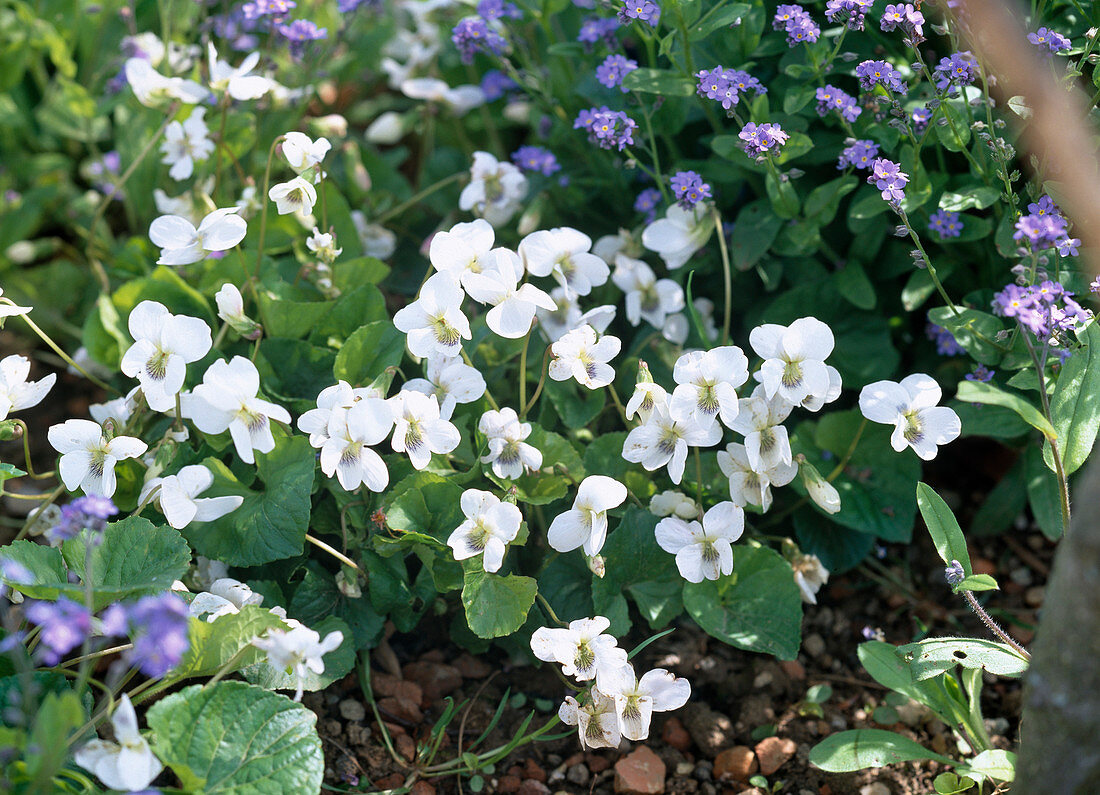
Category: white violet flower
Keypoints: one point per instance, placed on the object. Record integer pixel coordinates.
(340, 395)
(153, 89)
(164, 344)
(647, 297)
(637, 699)
(181, 243)
(16, 392)
(186, 143)
(703, 550)
(749, 486)
(489, 527)
(759, 421)
(302, 152)
(910, 406)
(347, 449)
(514, 304)
(567, 316)
(177, 497)
(794, 358)
(238, 82)
(585, 524)
(295, 196)
(88, 457)
(679, 234)
(418, 429)
(564, 254)
(128, 764)
(663, 440)
(434, 322)
(298, 651)
(451, 380)
(582, 649)
(597, 720)
(810, 575)
(580, 355)
(706, 385)
(495, 191)
(509, 455)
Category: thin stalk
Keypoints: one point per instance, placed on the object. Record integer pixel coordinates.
(549, 610)
(698, 476)
(618, 403)
(57, 349)
(340, 556)
(50, 500)
(263, 217)
(523, 369)
(927, 261)
(27, 454)
(95, 655)
(417, 197)
(992, 625)
(1055, 453)
(538, 389)
(726, 274)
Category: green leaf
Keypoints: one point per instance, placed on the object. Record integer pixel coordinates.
(496, 605)
(539, 488)
(1075, 405)
(867, 203)
(946, 534)
(934, 656)
(758, 608)
(317, 597)
(796, 99)
(863, 748)
(574, 404)
(838, 548)
(58, 716)
(271, 524)
(282, 316)
(659, 81)
(975, 331)
(368, 352)
(723, 17)
(782, 195)
(133, 558)
(237, 738)
(45, 576)
(882, 662)
(797, 145)
(853, 284)
(823, 201)
(956, 134)
(978, 582)
(976, 198)
(994, 763)
(215, 643)
(990, 395)
(1043, 494)
(754, 231)
(338, 663)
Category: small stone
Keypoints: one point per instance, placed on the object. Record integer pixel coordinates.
(508, 784)
(939, 744)
(350, 709)
(793, 669)
(358, 734)
(533, 787)
(401, 708)
(532, 769)
(405, 746)
(674, 734)
(704, 770)
(684, 768)
(422, 788)
(877, 788)
(1021, 576)
(471, 667)
(392, 781)
(711, 731)
(814, 645)
(1034, 595)
(737, 763)
(773, 753)
(763, 679)
(578, 774)
(641, 772)
(557, 774)
(597, 764)
(435, 679)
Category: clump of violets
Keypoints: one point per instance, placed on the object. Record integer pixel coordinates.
(796, 23)
(275, 10)
(613, 69)
(473, 35)
(299, 33)
(689, 189)
(536, 159)
(832, 98)
(725, 86)
(850, 12)
(642, 10)
(64, 624)
(860, 153)
(946, 344)
(84, 513)
(610, 129)
(904, 16)
(958, 69)
(888, 177)
(1045, 227)
(647, 202)
(1049, 40)
(880, 73)
(920, 118)
(945, 223)
(498, 9)
(158, 627)
(763, 139)
(597, 30)
(1047, 310)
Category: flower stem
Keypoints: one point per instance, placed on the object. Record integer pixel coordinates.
(263, 217)
(1055, 452)
(726, 274)
(993, 626)
(538, 388)
(417, 197)
(57, 349)
(549, 610)
(27, 454)
(523, 369)
(340, 556)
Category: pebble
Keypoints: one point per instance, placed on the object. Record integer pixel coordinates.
(684, 768)
(435, 679)
(405, 746)
(471, 667)
(814, 645)
(793, 669)
(532, 769)
(1034, 595)
(598, 764)
(578, 774)
(773, 753)
(674, 734)
(712, 731)
(641, 772)
(737, 763)
(508, 784)
(392, 781)
(704, 770)
(401, 708)
(877, 788)
(532, 787)
(422, 788)
(350, 709)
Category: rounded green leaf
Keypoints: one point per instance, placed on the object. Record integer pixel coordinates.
(496, 606)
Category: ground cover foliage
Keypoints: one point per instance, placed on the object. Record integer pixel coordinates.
(563, 323)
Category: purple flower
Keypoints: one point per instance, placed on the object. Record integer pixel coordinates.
(644, 10)
(1067, 246)
(981, 373)
(946, 345)
(299, 32)
(1037, 308)
(498, 9)
(473, 35)
(872, 73)
(614, 68)
(83, 513)
(858, 154)
(904, 16)
(65, 624)
(1045, 206)
(726, 85)
(850, 12)
(599, 29)
(946, 223)
(647, 202)
(607, 128)
(1051, 41)
(1040, 232)
(960, 69)
(157, 626)
(536, 159)
(1094, 285)
(275, 9)
(799, 26)
(689, 189)
(762, 139)
(888, 177)
(920, 117)
(832, 98)
(495, 83)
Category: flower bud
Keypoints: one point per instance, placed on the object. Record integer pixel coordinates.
(387, 129)
(331, 126)
(347, 582)
(381, 384)
(821, 491)
(597, 566)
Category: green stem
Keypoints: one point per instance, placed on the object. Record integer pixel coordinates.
(549, 610)
(523, 369)
(727, 276)
(57, 349)
(50, 500)
(27, 454)
(618, 403)
(1055, 453)
(538, 389)
(263, 218)
(488, 394)
(927, 261)
(417, 197)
